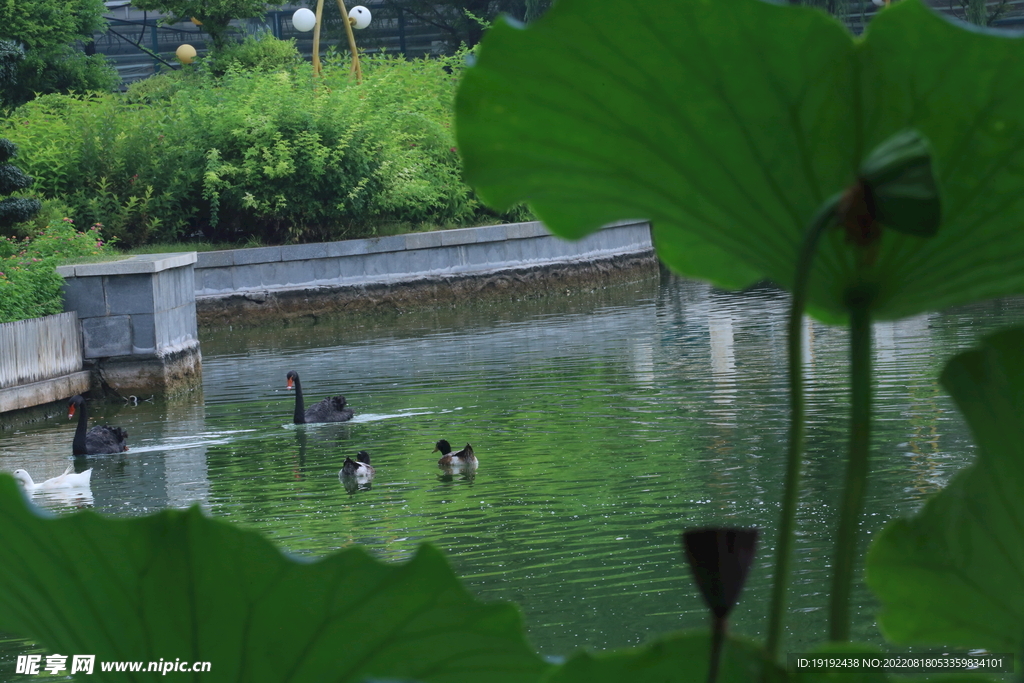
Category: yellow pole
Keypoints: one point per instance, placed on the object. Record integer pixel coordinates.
(316, 37)
(351, 41)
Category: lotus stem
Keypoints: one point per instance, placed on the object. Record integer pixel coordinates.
(856, 467)
(794, 456)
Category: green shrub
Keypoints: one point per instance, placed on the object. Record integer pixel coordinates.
(130, 166)
(274, 156)
(60, 69)
(29, 283)
(262, 52)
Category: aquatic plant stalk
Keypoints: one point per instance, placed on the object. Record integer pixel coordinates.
(856, 467)
(794, 456)
(720, 559)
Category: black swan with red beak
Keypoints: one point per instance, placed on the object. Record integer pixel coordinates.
(100, 440)
(328, 410)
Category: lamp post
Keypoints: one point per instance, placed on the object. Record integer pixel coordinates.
(304, 20)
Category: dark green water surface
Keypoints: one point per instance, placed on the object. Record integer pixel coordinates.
(605, 424)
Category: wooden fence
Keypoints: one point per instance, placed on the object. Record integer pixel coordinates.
(39, 348)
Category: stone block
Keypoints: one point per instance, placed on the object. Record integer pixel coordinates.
(191, 325)
(215, 280)
(447, 259)
(247, 277)
(347, 247)
(187, 284)
(490, 233)
(258, 255)
(326, 270)
(494, 254)
(284, 274)
(302, 252)
(165, 289)
(167, 374)
(108, 336)
(85, 295)
(175, 328)
(215, 259)
(517, 231)
(512, 252)
(459, 236)
(530, 249)
(39, 393)
(422, 240)
(133, 265)
(352, 267)
(144, 332)
(377, 265)
(129, 294)
(418, 261)
(376, 245)
(475, 257)
(295, 273)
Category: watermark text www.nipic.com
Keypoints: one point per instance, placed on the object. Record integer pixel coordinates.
(86, 664)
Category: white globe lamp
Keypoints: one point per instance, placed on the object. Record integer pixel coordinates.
(303, 20)
(359, 16)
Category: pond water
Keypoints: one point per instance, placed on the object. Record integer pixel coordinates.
(606, 422)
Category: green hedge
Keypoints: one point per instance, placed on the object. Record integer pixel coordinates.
(280, 156)
(29, 283)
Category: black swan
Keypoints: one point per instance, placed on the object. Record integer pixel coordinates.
(98, 440)
(463, 458)
(328, 410)
(359, 468)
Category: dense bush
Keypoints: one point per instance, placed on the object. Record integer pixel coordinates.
(262, 52)
(12, 179)
(29, 283)
(36, 51)
(271, 156)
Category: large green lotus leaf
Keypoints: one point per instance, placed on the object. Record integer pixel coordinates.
(729, 123)
(177, 584)
(954, 573)
(677, 658)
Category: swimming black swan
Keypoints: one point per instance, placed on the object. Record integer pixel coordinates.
(463, 458)
(328, 410)
(98, 440)
(359, 468)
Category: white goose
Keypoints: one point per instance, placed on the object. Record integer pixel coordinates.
(69, 480)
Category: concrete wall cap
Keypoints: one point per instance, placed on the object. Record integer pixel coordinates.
(140, 263)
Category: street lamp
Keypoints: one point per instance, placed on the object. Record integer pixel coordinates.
(304, 20)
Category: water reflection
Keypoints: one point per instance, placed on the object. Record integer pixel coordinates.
(604, 423)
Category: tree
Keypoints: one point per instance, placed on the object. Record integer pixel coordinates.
(215, 15)
(50, 23)
(36, 51)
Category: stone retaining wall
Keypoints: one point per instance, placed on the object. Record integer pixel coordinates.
(250, 286)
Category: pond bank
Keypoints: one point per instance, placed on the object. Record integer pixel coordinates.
(257, 286)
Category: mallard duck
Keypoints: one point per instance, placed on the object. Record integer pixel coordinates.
(100, 440)
(359, 469)
(69, 480)
(328, 410)
(463, 458)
